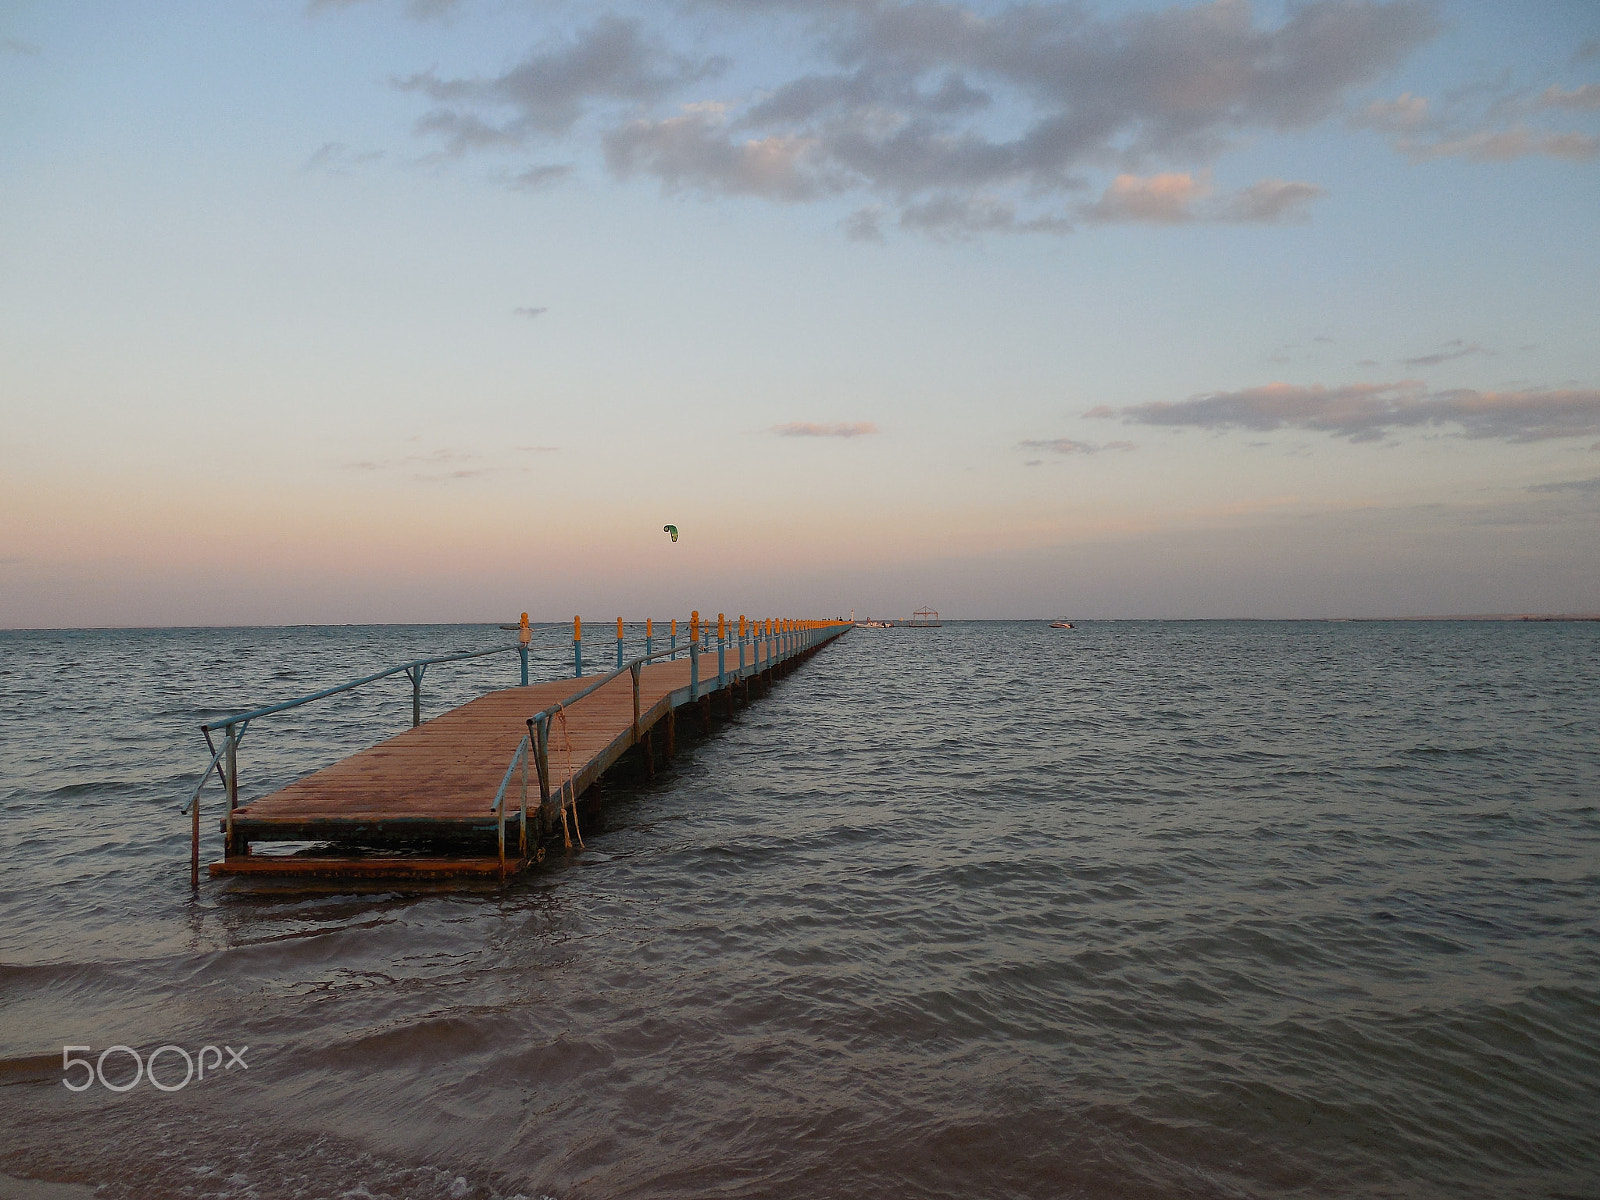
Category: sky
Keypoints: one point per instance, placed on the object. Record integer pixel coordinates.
(438, 310)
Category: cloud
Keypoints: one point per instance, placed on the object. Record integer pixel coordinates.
(546, 93)
(420, 9)
(1579, 99)
(1067, 446)
(440, 466)
(1483, 122)
(1366, 412)
(338, 159)
(1454, 349)
(1161, 199)
(1503, 145)
(953, 216)
(843, 429)
(1269, 201)
(540, 176)
(691, 151)
(952, 119)
(530, 312)
(1401, 115)
(1057, 446)
(865, 224)
(1586, 486)
(17, 46)
(1175, 198)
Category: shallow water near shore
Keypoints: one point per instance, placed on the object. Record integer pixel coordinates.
(1140, 909)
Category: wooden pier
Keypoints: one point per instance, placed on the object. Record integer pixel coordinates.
(483, 789)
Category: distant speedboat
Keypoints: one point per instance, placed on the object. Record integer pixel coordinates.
(1062, 625)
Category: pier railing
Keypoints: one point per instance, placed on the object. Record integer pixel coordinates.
(778, 639)
(234, 727)
(763, 641)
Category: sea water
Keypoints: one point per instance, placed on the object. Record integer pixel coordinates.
(1139, 909)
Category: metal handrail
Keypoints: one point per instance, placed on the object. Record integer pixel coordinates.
(601, 680)
(235, 726)
(498, 808)
(777, 644)
(240, 718)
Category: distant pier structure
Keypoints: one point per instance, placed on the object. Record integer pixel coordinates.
(923, 618)
(484, 789)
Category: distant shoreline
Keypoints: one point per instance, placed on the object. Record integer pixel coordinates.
(1495, 617)
(541, 625)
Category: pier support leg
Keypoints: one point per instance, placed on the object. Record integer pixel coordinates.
(194, 847)
(672, 733)
(650, 752)
(705, 715)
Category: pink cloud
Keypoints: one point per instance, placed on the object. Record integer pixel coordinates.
(1177, 198)
(842, 429)
(1068, 446)
(1158, 199)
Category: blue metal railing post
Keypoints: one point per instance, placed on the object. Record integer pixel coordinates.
(415, 672)
(231, 741)
(522, 651)
(577, 647)
(619, 643)
(694, 670)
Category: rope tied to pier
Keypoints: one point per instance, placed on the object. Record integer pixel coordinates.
(571, 783)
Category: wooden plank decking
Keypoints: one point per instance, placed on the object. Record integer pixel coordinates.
(437, 782)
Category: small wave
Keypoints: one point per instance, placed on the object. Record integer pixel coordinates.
(98, 787)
